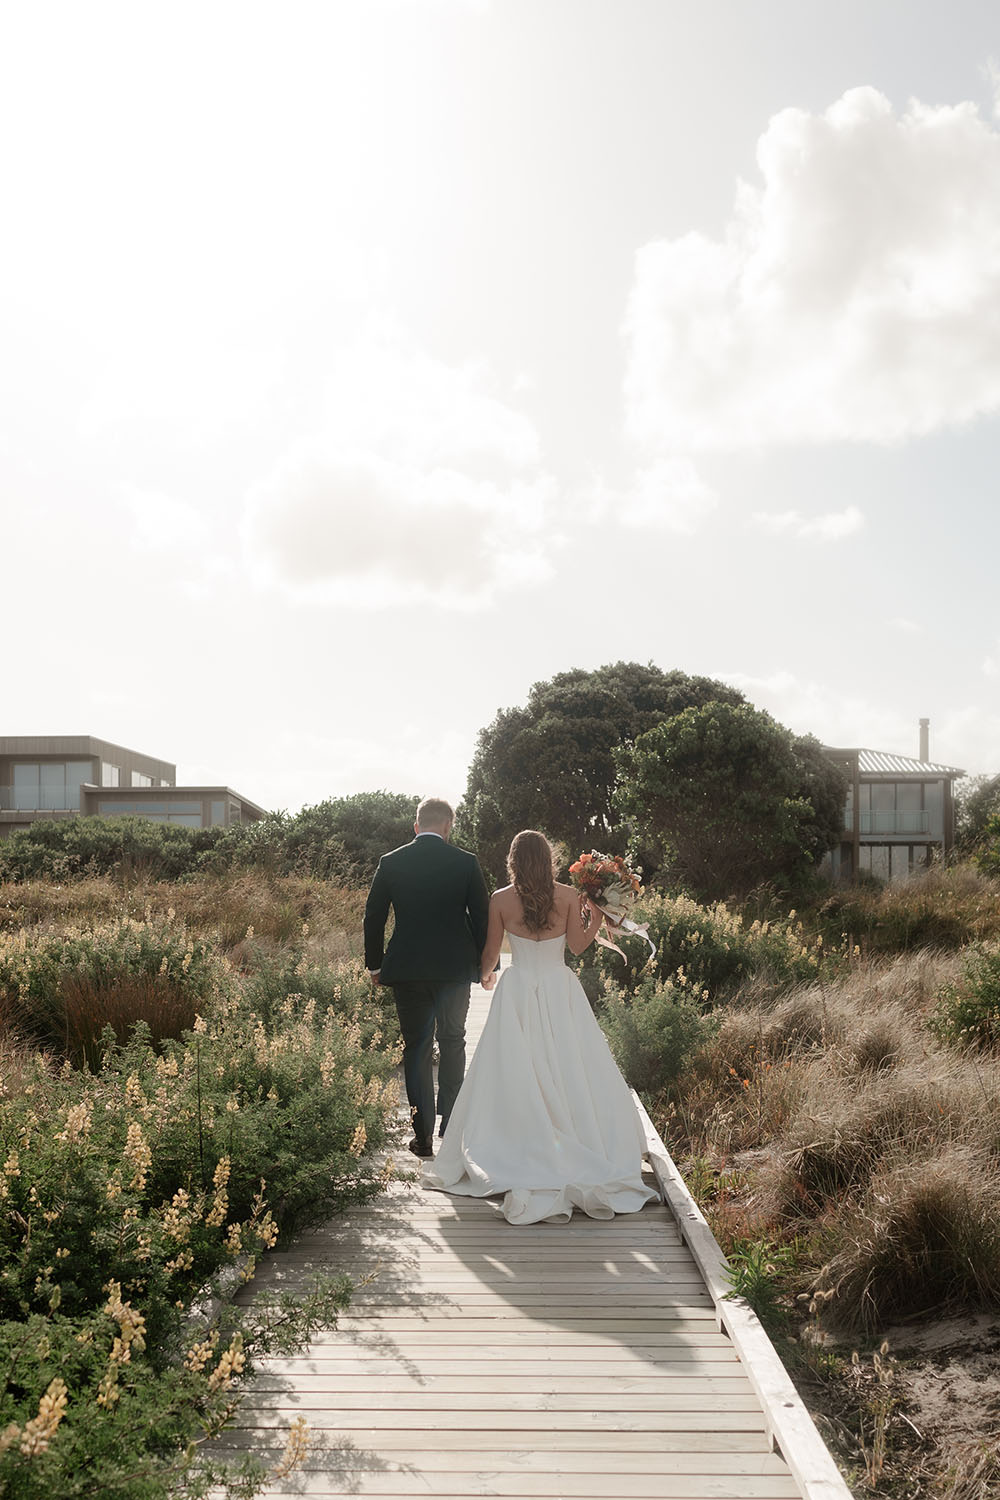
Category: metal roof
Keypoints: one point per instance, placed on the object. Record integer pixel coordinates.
(883, 763)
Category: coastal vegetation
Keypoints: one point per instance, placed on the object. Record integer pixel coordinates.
(188, 1074)
(193, 1066)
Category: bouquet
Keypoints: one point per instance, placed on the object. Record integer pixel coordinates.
(612, 887)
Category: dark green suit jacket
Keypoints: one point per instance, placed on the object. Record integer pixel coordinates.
(440, 904)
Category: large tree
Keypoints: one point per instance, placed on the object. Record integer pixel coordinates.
(977, 802)
(731, 799)
(551, 764)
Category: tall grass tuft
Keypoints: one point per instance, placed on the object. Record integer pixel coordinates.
(924, 1237)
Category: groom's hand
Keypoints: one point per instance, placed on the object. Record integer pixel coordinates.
(489, 980)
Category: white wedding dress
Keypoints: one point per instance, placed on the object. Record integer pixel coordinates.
(544, 1116)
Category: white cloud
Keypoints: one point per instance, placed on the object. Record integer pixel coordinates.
(853, 295)
(419, 486)
(991, 664)
(905, 626)
(828, 528)
(668, 495)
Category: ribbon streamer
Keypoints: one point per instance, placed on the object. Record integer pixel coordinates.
(627, 925)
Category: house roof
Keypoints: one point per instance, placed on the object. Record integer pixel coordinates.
(883, 763)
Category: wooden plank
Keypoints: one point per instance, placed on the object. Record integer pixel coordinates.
(544, 1463)
(377, 1364)
(533, 1335)
(270, 1393)
(400, 1486)
(541, 1439)
(448, 1426)
(725, 1380)
(449, 1321)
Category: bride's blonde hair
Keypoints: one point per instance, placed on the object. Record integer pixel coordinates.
(531, 867)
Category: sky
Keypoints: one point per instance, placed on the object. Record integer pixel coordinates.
(364, 362)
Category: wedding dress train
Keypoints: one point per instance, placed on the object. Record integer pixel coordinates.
(544, 1116)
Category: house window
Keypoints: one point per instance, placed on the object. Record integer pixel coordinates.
(188, 814)
(110, 775)
(894, 807)
(138, 779)
(50, 787)
(218, 813)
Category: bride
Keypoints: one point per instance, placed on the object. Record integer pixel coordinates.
(544, 1116)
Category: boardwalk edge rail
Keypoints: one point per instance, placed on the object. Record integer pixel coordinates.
(790, 1427)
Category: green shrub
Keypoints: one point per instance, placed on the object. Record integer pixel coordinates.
(652, 1032)
(125, 1190)
(62, 991)
(969, 1012)
(298, 1104)
(709, 951)
(341, 839)
(129, 847)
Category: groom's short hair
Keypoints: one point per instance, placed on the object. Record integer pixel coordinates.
(433, 813)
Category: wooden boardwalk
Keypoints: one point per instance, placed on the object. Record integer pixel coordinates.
(477, 1358)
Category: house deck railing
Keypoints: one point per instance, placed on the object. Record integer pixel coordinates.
(892, 822)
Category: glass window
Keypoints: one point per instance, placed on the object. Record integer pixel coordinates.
(138, 779)
(183, 807)
(27, 795)
(218, 813)
(115, 809)
(153, 809)
(909, 796)
(189, 820)
(52, 786)
(883, 796)
(77, 772)
(110, 775)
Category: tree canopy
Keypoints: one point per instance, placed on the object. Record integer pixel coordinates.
(731, 799)
(977, 804)
(551, 764)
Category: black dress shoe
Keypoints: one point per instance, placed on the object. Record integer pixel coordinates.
(421, 1148)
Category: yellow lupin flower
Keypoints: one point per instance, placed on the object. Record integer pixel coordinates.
(229, 1367)
(138, 1155)
(78, 1122)
(199, 1355)
(39, 1432)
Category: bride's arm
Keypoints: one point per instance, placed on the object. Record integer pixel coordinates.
(579, 935)
(494, 937)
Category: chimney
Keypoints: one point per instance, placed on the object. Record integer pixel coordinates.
(925, 725)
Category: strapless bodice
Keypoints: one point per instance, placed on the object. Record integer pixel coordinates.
(532, 956)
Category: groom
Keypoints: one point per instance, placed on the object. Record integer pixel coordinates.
(440, 905)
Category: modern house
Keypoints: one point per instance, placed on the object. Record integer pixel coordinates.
(67, 776)
(899, 816)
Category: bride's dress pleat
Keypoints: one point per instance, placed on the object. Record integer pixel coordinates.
(544, 1116)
